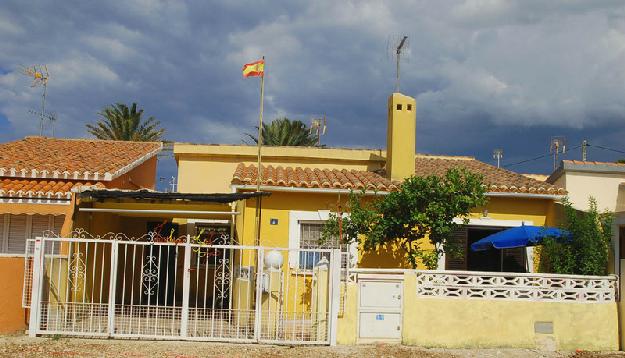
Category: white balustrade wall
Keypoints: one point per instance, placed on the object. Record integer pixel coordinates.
(516, 286)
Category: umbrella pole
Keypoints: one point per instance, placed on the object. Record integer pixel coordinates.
(501, 260)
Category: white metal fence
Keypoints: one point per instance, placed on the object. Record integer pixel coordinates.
(179, 289)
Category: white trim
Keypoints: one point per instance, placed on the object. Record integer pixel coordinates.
(308, 190)
(526, 195)
(209, 221)
(529, 256)
(23, 200)
(486, 221)
(297, 217)
(382, 192)
(150, 211)
(4, 255)
(76, 175)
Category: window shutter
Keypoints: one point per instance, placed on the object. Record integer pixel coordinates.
(459, 239)
(58, 224)
(17, 234)
(41, 224)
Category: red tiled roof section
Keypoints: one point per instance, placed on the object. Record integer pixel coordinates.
(39, 188)
(496, 179)
(78, 159)
(299, 177)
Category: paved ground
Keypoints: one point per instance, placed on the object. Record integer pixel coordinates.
(21, 346)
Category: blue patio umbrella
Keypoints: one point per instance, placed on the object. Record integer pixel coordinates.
(520, 236)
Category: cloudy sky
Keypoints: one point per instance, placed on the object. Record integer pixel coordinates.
(486, 73)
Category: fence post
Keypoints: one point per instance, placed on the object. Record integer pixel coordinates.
(334, 293)
(112, 287)
(186, 282)
(35, 305)
(258, 312)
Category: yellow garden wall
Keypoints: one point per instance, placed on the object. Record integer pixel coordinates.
(12, 315)
(459, 323)
(347, 326)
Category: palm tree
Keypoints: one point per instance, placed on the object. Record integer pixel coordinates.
(119, 122)
(285, 132)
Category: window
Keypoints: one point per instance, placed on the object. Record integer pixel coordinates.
(310, 238)
(409, 107)
(16, 229)
(399, 107)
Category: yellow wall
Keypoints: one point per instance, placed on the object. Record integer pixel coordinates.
(209, 168)
(279, 204)
(347, 325)
(606, 188)
(12, 315)
(462, 323)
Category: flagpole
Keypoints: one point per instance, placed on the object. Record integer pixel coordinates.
(260, 128)
(260, 144)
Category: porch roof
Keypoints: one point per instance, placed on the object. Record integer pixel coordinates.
(144, 194)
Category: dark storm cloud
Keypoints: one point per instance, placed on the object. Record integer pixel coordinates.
(486, 73)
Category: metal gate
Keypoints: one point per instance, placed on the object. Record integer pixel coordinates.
(182, 290)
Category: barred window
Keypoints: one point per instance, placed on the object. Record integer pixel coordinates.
(310, 238)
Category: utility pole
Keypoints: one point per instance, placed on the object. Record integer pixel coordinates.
(584, 150)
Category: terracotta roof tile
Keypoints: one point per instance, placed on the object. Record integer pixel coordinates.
(313, 178)
(496, 179)
(78, 159)
(581, 162)
(37, 188)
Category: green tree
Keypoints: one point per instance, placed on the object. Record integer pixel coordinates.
(118, 122)
(423, 207)
(285, 132)
(587, 252)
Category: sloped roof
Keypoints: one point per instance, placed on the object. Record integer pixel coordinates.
(77, 159)
(496, 179)
(37, 188)
(299, 177)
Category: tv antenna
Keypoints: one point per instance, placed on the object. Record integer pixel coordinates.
(52, 117)
(40, 76)
(498, 155)
(319, 126)
(557, 145)
(400, 45)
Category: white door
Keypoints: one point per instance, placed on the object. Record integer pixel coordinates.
(380, 310)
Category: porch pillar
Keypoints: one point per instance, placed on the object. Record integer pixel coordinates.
(35, 296)
(112, 286)
(186, 281)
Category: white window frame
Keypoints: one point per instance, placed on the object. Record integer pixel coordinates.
(4, 235)
(298, 217)
(486, 221)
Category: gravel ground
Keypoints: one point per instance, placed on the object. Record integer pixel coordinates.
(22, 346)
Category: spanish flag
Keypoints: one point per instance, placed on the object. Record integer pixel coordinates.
(254, 69)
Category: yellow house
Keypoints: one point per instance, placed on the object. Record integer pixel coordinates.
(191, 264)
(308, 183)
